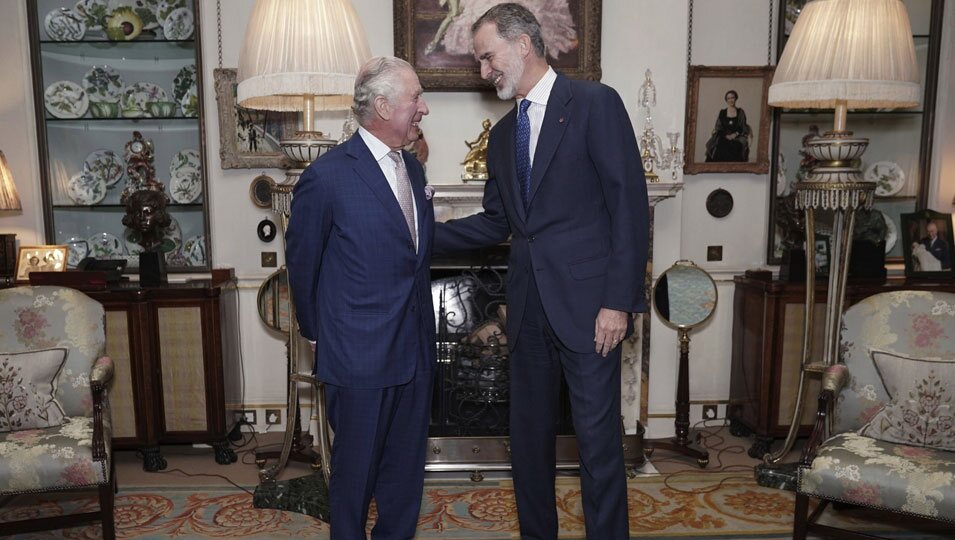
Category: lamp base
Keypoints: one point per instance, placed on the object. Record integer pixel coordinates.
(8, 255)
(305, 147)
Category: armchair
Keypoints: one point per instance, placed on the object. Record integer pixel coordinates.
(890, 406)
(73, 452)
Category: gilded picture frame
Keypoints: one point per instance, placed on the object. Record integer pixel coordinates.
(572, 39)
(50, 258)
(708, 148)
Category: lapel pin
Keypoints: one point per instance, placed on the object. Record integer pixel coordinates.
(561, 120)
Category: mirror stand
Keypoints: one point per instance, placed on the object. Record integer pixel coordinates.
(681, 444)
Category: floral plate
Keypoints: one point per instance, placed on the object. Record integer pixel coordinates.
(195, 250)
(185, 186)
(190, 102)
(103, 84)
(888, 177)
(165, 7)
(891, 232)
(184, 159)
(86, 188)
(105, 246)
(138, 96)
(106, 165)
(93, 12)
(183, 83)
(146, 9)
(64, 25)
(77, 249)
(66, 99)
(179, 25)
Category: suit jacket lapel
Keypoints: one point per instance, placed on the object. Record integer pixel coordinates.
(556, 119)
(423, 205)
(368, 170)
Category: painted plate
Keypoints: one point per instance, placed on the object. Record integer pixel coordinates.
(93, 12)
(86, 189)
(888, 177)
(195, 250)
(146, 9)
(66, 99)
(179, 24)
(105, 246)
(165, 7)
(891, 232)
(103, 84)
(184, 159)
(106, 165)
(138, 96)
(64, 25)
(185, 80)
(171, 239)
(185, 186)
(782, 183)
(77, 249)
(190, 103)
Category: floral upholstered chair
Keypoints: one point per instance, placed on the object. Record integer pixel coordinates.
(891, 407)
(54, 414)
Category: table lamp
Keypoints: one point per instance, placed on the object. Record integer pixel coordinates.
(841, 55)
(9, 200)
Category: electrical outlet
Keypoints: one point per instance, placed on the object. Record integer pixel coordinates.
(269, 259)
(714, 253)
(246, 416)
(273, 416)
(709, 412)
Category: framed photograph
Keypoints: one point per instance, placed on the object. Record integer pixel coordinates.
(927, 244)
(821, 252)
(727, 121)
(248, 138)
(434, 36)
(40, 259)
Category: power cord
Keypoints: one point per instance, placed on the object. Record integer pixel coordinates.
(711, 440)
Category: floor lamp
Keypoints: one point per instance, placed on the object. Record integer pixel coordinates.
(299, 55)
(841, 55)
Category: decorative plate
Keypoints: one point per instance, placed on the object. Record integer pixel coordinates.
(165, 7)
(179, 24)
(185, 81)
(64, 25)
(93, 12)
(66, 99)
(171, 238)
(190, 103)
(146, 9)
(185, 159)
(195, 250)
(185, 186)
(86, 189)
(105, 164)
(782, 183)
(103, 84)
(138, 96)
(891, 232)
(77, 250)
(888, 177)
(105, 246)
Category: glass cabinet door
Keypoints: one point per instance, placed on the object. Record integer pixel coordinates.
(103, 71)
(900, 141)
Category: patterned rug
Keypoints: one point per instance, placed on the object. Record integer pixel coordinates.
(688, 505)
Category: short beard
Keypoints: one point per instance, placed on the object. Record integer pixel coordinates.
(512, 76)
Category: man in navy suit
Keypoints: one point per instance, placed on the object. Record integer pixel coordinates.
(567, 185)
(359, 247)
(936, 245)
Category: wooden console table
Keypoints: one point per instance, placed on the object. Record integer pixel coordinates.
(767, 349)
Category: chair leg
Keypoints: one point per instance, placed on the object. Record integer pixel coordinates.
(106, 508)
(800, 517)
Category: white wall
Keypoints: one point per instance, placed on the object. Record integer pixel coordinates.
(637, 34)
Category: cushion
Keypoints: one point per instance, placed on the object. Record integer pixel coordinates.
(920, 408)
(27, 387)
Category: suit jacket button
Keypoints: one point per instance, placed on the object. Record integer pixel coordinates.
(531, 238)
(413, 308)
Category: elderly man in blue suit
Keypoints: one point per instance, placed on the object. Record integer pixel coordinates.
(359, 245)
(567, 185)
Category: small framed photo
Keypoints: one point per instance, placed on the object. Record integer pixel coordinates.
(821, 251)
(40, 259)
(927, 244)
(727, 119)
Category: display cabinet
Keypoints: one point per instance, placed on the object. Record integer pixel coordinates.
(898, 158)
(102, 70)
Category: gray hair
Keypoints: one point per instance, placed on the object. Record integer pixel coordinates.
(378, 77)
(512, 20)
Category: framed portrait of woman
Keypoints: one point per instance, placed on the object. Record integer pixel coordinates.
(927, 242)
(434, 36)
(727, 119)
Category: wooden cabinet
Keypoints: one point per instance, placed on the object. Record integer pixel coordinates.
(767, 350)
(177, 366)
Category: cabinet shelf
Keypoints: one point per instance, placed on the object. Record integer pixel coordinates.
(92, 207)
(120, 50)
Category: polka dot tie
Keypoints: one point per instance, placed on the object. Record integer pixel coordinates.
(522, 156)
(404, 194)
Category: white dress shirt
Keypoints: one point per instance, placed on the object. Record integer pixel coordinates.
(379, 151)
(535, 112)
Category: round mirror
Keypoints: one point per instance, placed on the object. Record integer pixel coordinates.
(273, 301)
(684, 296)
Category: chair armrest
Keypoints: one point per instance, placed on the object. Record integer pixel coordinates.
(833, 380)
(100, 376)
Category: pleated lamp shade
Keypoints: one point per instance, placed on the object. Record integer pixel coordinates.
(860, 52)
(294, 48)
(9, 199)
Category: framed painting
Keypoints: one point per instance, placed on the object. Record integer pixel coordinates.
(434, 36)
(927, 241)
(249, 138)
(727, 119)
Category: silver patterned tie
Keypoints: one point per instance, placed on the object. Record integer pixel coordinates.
(404, 194)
